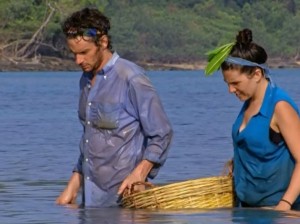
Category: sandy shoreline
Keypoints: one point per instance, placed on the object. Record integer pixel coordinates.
(57, 64)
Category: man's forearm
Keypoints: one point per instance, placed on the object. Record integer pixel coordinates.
(75, 182)
(143, 168)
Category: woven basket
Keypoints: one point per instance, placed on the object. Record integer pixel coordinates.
(210, 192)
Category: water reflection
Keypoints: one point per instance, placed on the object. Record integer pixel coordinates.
(129, 216)
(262, 216)
(114, 215)
(211, 216)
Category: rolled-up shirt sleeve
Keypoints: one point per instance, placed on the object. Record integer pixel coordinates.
(78, 167)
(154, 121)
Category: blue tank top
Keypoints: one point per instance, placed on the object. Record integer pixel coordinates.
(262, 168)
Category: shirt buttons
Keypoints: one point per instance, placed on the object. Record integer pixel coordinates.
(86, 159)
(89, 103)
(88, 122)
(87, 178)
(86, 140)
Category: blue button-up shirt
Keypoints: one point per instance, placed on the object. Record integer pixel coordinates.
(124, 122)
(262, 168)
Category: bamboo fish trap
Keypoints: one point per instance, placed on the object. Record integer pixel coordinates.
(210, 192)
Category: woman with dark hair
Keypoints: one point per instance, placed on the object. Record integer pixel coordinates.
(266, 132)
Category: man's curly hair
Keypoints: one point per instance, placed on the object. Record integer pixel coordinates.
(88, 18)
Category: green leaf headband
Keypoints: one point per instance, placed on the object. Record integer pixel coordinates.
(216, 58)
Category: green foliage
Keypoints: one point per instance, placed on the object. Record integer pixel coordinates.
(216, 58)
(169, 31)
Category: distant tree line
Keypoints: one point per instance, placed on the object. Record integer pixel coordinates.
(156, 31)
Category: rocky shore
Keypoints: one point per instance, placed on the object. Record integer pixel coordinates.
(58, 64)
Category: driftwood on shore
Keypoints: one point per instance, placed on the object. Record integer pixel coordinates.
(44, 63)
(21, 54)
(39, 64)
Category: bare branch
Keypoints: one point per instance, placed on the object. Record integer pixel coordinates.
(16, 42)
(297, 54)
(24, 51)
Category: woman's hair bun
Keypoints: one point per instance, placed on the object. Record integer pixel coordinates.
(244, 37)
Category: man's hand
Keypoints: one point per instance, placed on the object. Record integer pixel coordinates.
(69, 195)
(140, 173)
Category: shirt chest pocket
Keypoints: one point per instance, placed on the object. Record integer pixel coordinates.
(105, 115)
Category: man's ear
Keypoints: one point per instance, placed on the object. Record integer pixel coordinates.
(103, 42)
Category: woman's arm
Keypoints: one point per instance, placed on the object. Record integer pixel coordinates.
(288, 123)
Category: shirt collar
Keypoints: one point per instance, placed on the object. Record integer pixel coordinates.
(267, 98)
(109, 65)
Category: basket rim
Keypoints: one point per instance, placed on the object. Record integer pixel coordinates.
(176, 184)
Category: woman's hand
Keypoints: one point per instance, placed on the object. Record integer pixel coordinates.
(283, 206)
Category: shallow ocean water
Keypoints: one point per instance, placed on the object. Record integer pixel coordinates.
(40, 132)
